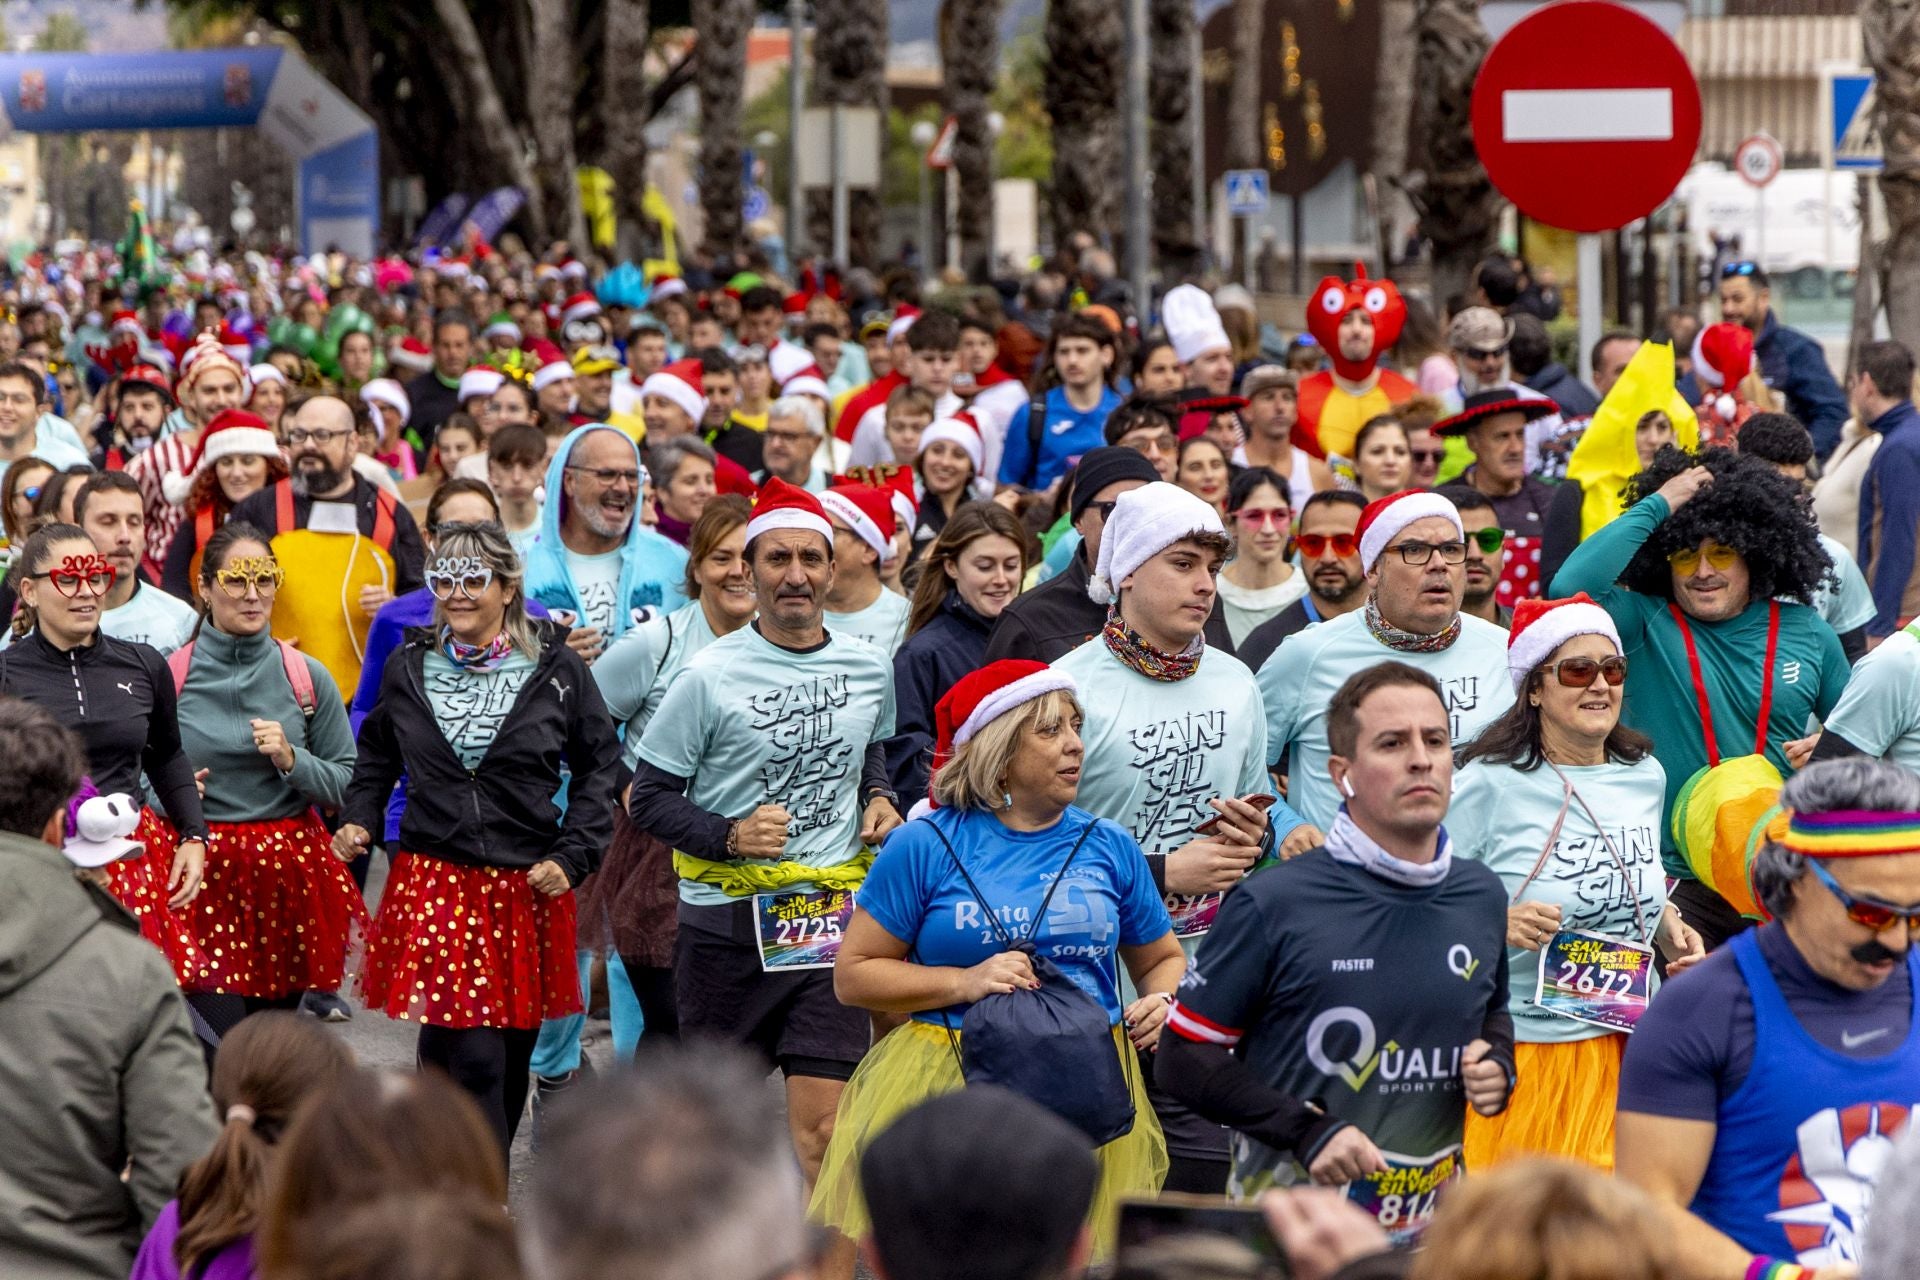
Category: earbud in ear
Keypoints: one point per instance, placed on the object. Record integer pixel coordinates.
(1346, 785)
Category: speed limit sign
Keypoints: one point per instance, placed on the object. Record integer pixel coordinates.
(1758, 159)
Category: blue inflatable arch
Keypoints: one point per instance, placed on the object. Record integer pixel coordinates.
(337, 192)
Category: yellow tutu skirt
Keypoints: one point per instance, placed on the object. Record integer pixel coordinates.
(1563, 1106)
(915, 1063)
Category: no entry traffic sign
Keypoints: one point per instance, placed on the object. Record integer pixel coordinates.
(1586, 115)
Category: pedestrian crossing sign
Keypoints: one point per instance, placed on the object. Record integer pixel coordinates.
(1852, 136)
(1246, 192)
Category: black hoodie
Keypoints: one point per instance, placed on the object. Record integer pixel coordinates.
(503, 813)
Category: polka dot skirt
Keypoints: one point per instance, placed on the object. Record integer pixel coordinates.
(140, 883)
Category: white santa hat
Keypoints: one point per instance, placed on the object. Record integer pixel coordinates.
(479, 382)
(681, 383)
(785, 506)
(959, 430)
(551, 372)
(390, 393)
(1192, 324)
(1145, 522)
(1385, 517)
(1542, 626)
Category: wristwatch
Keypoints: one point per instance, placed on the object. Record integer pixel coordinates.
(881, 793)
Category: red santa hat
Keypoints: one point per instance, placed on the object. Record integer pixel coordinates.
(867, 511)
(961, 430)
(390, 393)
(787, 361)
(785, 506)
(906, 500)
(980, 697)
(149, 378)
(1386, 517)
(479, 382)
(205, 355)
(1722, 355)
(903, 317)
(680, 382)
(808, 384)
(412, 354)
(579, 306)
(730, 477)
(1542, 626)
(126, 323)
(235, 345)
(234, 433)
(666, 287)
(552, 370)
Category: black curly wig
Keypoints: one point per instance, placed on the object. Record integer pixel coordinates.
(1750, 507)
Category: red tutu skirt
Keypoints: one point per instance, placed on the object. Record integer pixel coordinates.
(275, 912)
(139, 881)
(460, 946)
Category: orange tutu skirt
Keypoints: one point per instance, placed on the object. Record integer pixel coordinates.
(1563, 1105)
(139, 881)
(276, 910)
(460, 946)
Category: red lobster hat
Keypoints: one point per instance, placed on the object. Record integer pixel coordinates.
(1333, 299)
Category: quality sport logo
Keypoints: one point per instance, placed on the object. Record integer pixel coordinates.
(1342, 1042)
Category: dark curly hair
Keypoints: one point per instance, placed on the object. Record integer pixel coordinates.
(1750, 507)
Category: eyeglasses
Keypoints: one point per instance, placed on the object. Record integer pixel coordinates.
(1420, 552)
(301, 435)
(91, 571)
(1427, 455)
(259, 573)
(1732, 269)
(1314, 545)
(470, 581)
(610, 476)
(788, 437)
(1580, 673)
(1686, 561)
(1489, 539)
(1877, 916)
(1264, 518)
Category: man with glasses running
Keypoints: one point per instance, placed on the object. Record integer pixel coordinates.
(1708, 575)
(1768, 1165)
(1413, 552)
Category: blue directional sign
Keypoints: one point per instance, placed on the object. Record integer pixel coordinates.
(1246, 192)
(1855, 140)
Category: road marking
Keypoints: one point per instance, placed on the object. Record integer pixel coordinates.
(1587, 115)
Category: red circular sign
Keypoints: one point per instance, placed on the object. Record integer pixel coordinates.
(1588, 142)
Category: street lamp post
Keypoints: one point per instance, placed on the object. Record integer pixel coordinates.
(796, 104)
(923, 134)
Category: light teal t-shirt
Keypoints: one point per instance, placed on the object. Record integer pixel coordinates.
(751, 724)
(151, 616)
(470, 706)
(882, 624)
(638, 668)
(523, 540)
(1501, 816)
(1879, 711)
(596, 581)
(1844, 598)
(1298, 682)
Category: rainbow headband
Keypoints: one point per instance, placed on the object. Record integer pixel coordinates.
(1852, 833)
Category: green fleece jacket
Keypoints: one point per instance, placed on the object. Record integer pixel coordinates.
(99, 1073)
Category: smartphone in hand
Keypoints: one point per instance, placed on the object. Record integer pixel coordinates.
(1259, 800)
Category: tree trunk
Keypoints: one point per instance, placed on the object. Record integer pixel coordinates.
(1170, 102)
(623, 87)
(1892, 34)
(488, 114)
(1086, 47)
(720, 34)
(1456, 200)
(849, 67)
(1245, 147)
(551, 103)
(970, 58)
(1392, 115)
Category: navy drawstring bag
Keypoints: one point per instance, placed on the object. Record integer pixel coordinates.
(1052, 1045)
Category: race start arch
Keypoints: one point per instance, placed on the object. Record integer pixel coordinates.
(337, 188)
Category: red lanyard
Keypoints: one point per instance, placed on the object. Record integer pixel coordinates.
(1700, 684)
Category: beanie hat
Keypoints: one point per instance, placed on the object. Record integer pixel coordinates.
(1145, 522)
(206, 354)
(554, 370)
(501, 326)
(980, 697)
(958, 430)
(579, 306)
(413, 354)
(1386, 517)
(390, 393)
(785, 506)
(681, 383)
(1541, 626)
(1193, 326)
(479, 382)
(1104, 466)
(865, 510)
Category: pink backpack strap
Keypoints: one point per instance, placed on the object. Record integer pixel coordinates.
(299, 675)
(177, 662)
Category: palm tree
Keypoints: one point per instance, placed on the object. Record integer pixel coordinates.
(849, 67)
(1456, 200)
(623, 81)
(1892, 33)
(1086, 41)
(551, 98)
(970, 59)
(720, 73)
(1392, 111)
(1170, 102)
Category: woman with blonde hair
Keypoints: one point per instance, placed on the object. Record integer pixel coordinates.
(1546, 1220)
(1003, 835)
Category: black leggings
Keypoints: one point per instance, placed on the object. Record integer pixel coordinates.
(653, 988)
(491, 1063)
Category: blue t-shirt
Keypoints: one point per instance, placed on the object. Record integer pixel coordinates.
(1067, 433)
(1108, 901)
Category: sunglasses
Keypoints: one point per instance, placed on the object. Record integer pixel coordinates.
(1580, 673)
(1314, 545)
(1732, 269)
(1877, 916)
(1264, 518)
(1427, 455)
(1719, 556)
(1486, 353)
(1489, 540)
